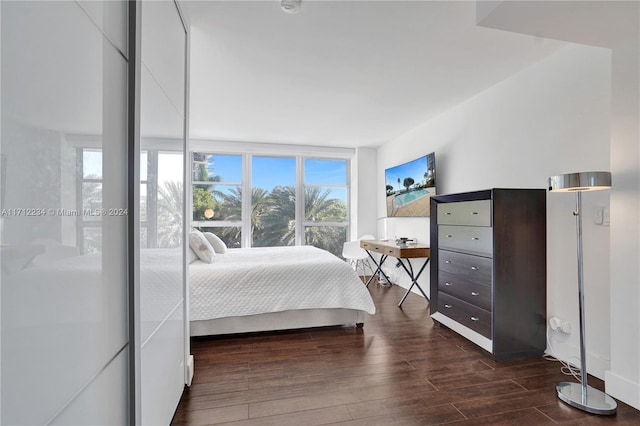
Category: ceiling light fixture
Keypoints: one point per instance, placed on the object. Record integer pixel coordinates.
(290, 6)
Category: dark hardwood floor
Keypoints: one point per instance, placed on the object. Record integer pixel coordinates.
(399, 369)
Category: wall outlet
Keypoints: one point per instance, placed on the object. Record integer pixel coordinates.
(557, 324)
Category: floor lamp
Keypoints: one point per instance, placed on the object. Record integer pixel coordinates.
(580, 395)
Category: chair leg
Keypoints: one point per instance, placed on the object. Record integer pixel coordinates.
(366, 264)
(353, 263)
(361, 263)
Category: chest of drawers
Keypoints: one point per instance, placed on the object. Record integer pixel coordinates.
(488, 271)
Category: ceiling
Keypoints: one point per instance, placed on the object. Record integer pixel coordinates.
(341, 73)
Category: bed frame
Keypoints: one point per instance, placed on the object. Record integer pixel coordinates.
(285, 320)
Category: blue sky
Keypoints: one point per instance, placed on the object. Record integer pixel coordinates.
(269, 172)
(414, 169)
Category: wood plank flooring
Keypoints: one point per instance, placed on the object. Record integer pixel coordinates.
(399, 369)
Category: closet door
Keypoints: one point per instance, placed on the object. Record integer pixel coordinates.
(162, 144)
(65, 348)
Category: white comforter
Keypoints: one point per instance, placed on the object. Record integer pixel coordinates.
(274, 279)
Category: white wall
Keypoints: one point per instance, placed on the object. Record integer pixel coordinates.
(551, 118)
(366, 190)
(613, 25)
(623, 380)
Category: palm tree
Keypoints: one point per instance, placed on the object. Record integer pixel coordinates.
(320, 208)
(92, 199)
(278, 225)
(279, 221)
(259, 208)
(273, 217)
(231, 209)
(170, 203)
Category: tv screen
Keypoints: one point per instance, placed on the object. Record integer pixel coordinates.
(409, 187)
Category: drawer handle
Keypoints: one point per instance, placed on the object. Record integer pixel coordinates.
(448, 284)
(474, 268)
(475, 238)
(448, 306)
(474, 212)
(475, 293)
(448, 262)
(449, 236)
(475, 319)
(448, 213)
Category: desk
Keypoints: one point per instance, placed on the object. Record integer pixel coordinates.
(400, 252)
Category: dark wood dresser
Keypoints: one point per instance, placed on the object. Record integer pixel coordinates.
(488, 268)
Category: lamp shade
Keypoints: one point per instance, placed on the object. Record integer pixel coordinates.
(582, 181)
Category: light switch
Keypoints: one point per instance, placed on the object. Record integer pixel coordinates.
(598, 215)
(606, 216)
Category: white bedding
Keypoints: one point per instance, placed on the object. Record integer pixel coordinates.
(253, 281)
(75, 289)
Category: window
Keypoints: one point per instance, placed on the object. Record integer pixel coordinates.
(265, 201)
(89, 237)
(170, 200)
(325, 206)
(217, 196)
(273, 201)
(161, 199)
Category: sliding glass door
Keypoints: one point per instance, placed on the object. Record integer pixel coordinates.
(65, 341)
(161, 262)
(92, 199)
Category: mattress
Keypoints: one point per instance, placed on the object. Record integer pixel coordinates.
(254, 281)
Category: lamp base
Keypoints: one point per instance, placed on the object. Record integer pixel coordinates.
(594, 401)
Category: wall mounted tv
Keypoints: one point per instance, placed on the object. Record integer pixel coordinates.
(409, 187)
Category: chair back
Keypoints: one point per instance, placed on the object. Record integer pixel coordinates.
(352, 250)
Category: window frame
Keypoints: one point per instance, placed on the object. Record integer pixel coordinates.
(150, 180)
(300, 222)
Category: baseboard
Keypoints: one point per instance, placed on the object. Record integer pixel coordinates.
(623, 389)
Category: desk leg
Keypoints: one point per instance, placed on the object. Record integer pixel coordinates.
(378, 268)
(414, 280)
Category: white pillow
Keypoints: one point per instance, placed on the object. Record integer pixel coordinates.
(201, 246)
(218, 245)
(192, 255)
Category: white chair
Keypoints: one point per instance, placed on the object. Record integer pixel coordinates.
(356, 256)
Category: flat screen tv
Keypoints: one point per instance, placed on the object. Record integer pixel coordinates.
(409, 187)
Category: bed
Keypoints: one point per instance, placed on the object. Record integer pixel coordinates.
(274, 288)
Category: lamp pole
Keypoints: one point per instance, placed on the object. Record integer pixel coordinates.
(580, 395)
(583, 354)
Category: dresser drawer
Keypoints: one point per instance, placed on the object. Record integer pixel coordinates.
(470, 267)
(470, 291)
(473, 213)
(470, 239)
(465, 313)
